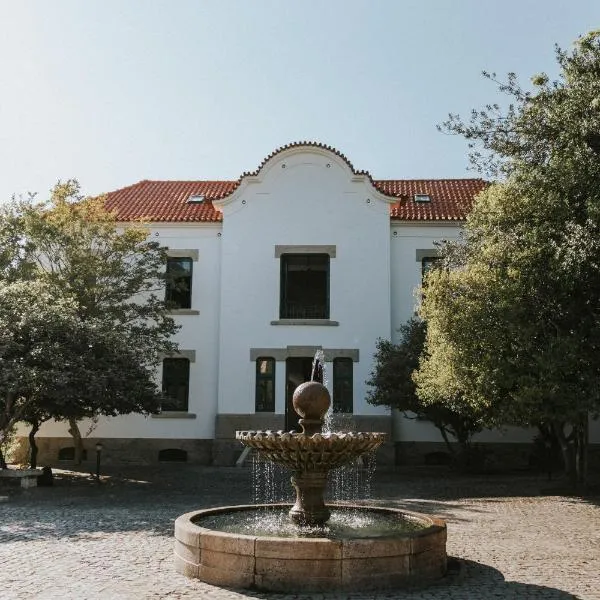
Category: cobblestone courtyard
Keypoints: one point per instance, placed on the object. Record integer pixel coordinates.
(114, 540)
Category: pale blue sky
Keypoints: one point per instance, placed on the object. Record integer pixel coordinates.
(114, 91)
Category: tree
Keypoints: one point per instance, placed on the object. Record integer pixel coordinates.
(513, 317)
(112, 277)
(392, 385)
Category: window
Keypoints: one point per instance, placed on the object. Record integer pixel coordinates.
(172, 455)
(342, 385)
(428, 263)
(176, 384)
(422, 198)
(179, 282)
(304, 286)
(265, 385)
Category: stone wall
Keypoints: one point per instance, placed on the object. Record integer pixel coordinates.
(225, 450)
(118, 451)
(486, 455)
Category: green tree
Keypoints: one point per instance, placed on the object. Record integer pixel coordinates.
(113, 276)
(392, 385)
(513, 318)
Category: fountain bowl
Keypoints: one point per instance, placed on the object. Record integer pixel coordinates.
(310, 564)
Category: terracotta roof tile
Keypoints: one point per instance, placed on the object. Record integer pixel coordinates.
(451, 199)
(168, 201)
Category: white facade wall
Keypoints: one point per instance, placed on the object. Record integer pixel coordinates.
(198, 333)
(301, 198)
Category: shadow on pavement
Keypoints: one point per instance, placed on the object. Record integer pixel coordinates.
(465, 579)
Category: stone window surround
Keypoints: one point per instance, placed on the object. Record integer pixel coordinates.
(421, 254)
(281, 354)
(183, 253)
(306, 249)
(177, 414)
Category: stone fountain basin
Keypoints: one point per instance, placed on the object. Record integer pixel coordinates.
(317, 452)
(309, 564)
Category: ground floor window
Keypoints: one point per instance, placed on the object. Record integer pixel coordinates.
(176, 384)
(342, 385)
(265, 385)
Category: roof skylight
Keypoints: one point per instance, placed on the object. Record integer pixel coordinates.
(196, 198)
(422, 198)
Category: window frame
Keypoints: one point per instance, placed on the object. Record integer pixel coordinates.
(261, 379)
(284, 303)
(428, 263)
(184, 383)
(339, 379)
(173, 281)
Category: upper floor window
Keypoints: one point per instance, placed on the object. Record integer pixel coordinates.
(342, 385)
(176, 384)
(265, 385)
(179, 282)
(304, 286)
(428, 263)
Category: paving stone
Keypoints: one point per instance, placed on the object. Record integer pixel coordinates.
(114, 540)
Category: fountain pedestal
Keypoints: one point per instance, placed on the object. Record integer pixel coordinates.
(310, 508)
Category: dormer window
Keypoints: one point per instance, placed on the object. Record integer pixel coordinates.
(422, 198)
(196, 199)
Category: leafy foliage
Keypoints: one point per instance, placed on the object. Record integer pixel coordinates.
(392, 385)
(513, 318)
(82, 325)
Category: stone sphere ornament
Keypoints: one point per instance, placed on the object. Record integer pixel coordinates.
(311, 401)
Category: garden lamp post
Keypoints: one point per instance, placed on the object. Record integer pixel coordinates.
(98, 454)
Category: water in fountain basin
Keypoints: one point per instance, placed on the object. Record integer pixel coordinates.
(349, 523)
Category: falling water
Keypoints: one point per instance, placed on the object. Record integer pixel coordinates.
(270, 481)
(351, 482)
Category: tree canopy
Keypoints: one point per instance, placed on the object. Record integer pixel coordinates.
(91, 315)
(513, 315)
(391, 384)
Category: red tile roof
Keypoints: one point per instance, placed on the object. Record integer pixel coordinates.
(451, 199)
(167, 201)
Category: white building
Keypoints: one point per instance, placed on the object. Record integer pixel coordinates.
(304, 253)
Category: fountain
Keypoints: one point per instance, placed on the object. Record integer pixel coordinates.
(318, 547)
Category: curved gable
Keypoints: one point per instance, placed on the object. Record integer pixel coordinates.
(302, 154)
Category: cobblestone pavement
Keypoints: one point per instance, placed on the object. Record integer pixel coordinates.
(511, 535)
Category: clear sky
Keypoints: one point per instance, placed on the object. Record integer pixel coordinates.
(114, 91)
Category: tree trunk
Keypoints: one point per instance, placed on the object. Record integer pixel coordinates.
(568, 453)
(77, 441)
(444, 433)
(581, 458)
(33, 449)
(7, 420)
